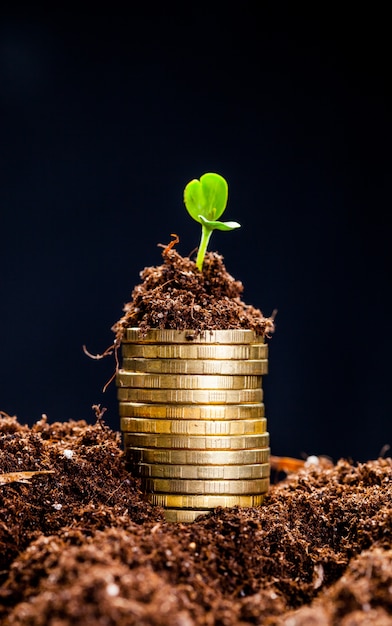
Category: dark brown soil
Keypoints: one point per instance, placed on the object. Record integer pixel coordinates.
(177, 295)
(81, 547)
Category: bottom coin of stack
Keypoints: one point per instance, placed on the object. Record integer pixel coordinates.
(193, 419)
(190, 474)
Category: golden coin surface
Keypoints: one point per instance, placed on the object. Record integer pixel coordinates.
(189, 411)
(203, 472)
(196, 351)
(190, 396)
(207, 487)
(186, 381)
(221, 367)
(155, 335)
(175, 501)
(197, 457)
(196, 442)
(184, 516)
(194, 427)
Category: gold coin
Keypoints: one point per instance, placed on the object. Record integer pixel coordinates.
(188, 411)
(194, 366)
(194, 427)
(155, 335)
(183, 516)
(175, 501)
(183, 442)
(197, 457)
(196, 351)
(206, 487)
(190, 396)
(186, 381)
(203, 472)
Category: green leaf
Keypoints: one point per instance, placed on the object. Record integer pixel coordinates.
(206, 197)
(215, 192)
(193, 198)
(212, 225)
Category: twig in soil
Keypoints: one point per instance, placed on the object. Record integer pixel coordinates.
(271, 323)
(384, 450)
(123, 482)
(171, 245)
(21, 477)
(155, 528)
(158, 287)
(111, 379)
(99, 413)
(288, 464)
(108, 352)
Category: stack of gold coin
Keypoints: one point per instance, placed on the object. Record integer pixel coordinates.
(192, 415)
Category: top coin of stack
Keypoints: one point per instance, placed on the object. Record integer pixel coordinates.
(174, 346)
(155, 335)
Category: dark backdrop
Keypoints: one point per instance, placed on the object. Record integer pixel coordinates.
(104, 119)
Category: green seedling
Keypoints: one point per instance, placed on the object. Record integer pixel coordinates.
(205, 200)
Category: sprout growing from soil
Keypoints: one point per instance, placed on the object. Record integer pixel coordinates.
(205, 200)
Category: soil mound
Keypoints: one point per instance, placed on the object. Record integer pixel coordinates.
(80, 546)
(177, 295)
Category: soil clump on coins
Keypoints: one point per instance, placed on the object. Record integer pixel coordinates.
(81, 546)
(176, 295)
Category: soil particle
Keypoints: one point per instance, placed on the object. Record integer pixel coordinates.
(362, 596)
(82, 547)
(177, 295)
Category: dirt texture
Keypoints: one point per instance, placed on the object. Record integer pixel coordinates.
(81, 546)
(177, 295)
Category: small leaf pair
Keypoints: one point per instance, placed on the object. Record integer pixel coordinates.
(205, 200)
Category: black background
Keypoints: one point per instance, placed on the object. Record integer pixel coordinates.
(106, 115)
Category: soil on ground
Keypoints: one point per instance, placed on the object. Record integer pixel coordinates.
(177, 295)
(80, 546)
